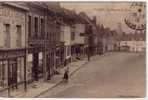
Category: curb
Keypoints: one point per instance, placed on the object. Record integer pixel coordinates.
(78, 68)
(60, 81)
(48, 89)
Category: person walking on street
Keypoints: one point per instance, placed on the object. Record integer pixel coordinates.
(66, 75)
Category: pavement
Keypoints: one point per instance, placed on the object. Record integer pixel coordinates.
(40, 87)
(111, 75)
(114, 75)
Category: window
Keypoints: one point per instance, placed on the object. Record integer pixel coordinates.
(68, 50)
(55, 36)
(29, 26)
(52, 37)
(47, 35)
(36, 26)
(7, 36)
(72, 35)
(42, 27)
(2, 74)
(19, 36)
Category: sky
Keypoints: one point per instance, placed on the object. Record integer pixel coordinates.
(110, 14)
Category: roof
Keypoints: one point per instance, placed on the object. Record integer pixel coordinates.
(13, 4)
(136, 37)
(55, 8)
(85, 18)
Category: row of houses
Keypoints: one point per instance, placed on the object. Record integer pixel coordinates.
(133, 42)
(38, 38)
(107, 39)
(111, 40)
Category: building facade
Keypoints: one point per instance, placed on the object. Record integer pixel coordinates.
(38, 39)
(78, 41)
(133, 46)
(13, 29)
(133, 42)
(66, 37)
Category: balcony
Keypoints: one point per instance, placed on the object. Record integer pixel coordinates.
(36, 39)
(6, 53)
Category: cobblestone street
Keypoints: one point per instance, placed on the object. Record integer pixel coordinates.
(111, 75)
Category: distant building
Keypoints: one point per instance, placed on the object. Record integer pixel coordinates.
(109, 40)
(133, 43)
(78, 40)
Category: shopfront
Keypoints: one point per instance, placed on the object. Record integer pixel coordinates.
(60, 55)
(12, 68)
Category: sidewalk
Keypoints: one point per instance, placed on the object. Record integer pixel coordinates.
(35, 89)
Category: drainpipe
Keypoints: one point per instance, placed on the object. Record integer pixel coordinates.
(8, 71)
(44, 47)
(26, 53)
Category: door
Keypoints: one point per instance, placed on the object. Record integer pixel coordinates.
(48, 67)
(12, 80)
(35, 68)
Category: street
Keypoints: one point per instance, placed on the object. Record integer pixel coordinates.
(110, 76)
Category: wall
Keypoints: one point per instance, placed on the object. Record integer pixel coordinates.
(79, 28)
(66, 32)
(12, 16)
(134, 46)
(108, 44)
(67, 35)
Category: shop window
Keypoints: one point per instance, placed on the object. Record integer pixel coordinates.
(2, 73)
(68, 50)
(40, 64)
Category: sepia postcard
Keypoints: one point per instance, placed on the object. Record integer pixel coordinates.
(72, 49)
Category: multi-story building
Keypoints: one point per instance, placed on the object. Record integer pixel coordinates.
(109, 40)
(28, 50)
(78, 40)
(37, 41)
(38, 38)
(94, 33)
(66, 37)
(44, 39)
(13, 33)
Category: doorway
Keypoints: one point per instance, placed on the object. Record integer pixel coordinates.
(12, 73)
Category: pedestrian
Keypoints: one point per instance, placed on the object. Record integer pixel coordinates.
(66, 75)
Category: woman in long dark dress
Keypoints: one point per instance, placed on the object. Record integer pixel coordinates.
(66, 75)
